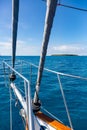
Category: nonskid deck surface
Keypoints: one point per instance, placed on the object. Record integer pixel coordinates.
(52, 122)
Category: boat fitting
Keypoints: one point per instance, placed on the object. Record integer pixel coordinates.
(12, 77)
(36, 106)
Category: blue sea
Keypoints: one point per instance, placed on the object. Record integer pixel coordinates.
(51, 99)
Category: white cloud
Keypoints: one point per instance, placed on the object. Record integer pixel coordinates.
(23, 48)
(31, 48)
(69, 49)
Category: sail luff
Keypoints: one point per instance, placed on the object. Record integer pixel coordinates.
(50, 13)
(15, 12)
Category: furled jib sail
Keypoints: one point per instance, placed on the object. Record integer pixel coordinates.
(15, 6)
(50, 13)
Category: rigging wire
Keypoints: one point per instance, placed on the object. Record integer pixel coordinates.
(72, 7)
(45, 110)
(69, 6)
(66, 107)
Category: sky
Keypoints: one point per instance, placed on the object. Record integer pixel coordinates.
(68, 35)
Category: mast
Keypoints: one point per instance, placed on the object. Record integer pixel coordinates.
(15, 12)
(50, 13)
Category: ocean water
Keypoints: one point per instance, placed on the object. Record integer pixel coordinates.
(75, 91)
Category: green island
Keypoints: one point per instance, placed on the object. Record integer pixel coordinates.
(64, 55)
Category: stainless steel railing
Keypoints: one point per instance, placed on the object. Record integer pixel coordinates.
(51, 71)
(26, 104)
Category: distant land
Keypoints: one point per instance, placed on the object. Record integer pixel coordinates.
(64, 55)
